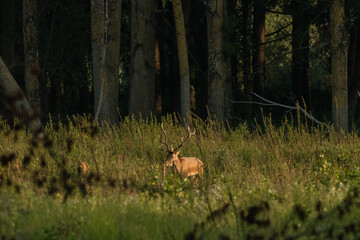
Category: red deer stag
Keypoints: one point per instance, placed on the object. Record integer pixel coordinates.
(186, 166)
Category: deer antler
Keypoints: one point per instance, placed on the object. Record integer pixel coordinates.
(188, 137)
(169, 149)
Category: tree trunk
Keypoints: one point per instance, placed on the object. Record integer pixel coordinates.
(158, 101)
(13, 101)
(142, 75)
(354, 69)
(110, 103)
(8, 33)
(105, 29)
(218, 66)
(158, 57)
(259, 53)
(339, 47)
(183, 59)
(186, 6)
(301, 75)
(246, 55)
(31, 52)
(98, 45)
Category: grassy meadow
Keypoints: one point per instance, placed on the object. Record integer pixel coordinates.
(83, 181)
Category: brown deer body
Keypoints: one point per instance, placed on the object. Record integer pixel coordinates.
(186, 166)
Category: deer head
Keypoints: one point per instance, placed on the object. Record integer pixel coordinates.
(186, 166)
(172, 158)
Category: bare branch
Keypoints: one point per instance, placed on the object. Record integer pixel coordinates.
(250, 102)
(279, 30)
(278, 39)
(271, 103)
(277, 12)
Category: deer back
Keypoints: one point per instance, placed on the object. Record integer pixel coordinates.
(190, 166)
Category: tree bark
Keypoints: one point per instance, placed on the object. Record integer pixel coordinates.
(98, 45)
(110, 104)
(8, 33)
(259, 53)
(158, 56)
(158, 101)
(142, 75)
(354, 69)
(187, 7)
(339, 47)
(301, 74)
(183, 59)
(218, 66)
(31, 52)
(105, 29)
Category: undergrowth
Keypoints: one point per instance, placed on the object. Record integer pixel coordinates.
(86, 181)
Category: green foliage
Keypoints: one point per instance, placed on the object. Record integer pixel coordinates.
(275, 181)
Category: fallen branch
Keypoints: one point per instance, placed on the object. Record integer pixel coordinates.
(271, 103)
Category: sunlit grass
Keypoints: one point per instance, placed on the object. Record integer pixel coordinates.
(296, 177)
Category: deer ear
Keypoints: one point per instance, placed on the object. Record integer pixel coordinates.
(177, 153)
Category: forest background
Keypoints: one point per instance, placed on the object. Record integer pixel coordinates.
(118, 58)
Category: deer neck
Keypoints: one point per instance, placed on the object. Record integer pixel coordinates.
(177, 164)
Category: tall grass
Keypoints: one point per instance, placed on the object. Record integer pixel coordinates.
(272, 182)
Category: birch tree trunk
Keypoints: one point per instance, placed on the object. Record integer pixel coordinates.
(31, 52)
(218, 66)
(142, 69)
(105, 29)
(183, 59)
(339, 47)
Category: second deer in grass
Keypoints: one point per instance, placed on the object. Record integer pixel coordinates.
(186, 166)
